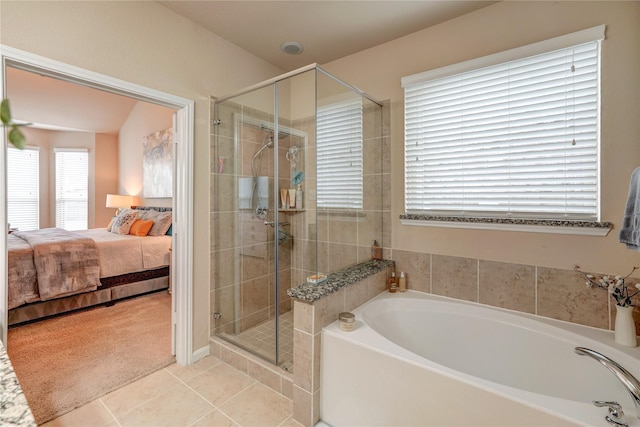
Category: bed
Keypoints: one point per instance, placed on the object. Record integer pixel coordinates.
(53, 271)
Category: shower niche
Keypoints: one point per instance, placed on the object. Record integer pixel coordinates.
(296, 190)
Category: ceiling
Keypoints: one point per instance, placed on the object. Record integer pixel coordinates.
(328, 30)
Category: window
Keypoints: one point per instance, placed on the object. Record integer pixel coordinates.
(23, 188)
(339, 155)
(512, 135)
(72, 188)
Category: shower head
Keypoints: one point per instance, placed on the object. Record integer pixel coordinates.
(281, 133)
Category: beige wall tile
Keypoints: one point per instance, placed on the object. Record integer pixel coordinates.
(287, 388)
(234, 359)
(506, 285)
(264, 375)
(356, 294)
(303, 316)
(563, 295)
(327, 309)
(303, 360)
(455, 277)
(302, 407)
(378, 283)
(416, 266)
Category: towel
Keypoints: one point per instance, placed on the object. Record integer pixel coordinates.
(630, 231)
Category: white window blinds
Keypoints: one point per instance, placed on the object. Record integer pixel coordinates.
(339, 155)
(72, 188)
(23, 188)
(518, 139)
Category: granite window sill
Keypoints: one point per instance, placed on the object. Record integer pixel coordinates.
(586, 228)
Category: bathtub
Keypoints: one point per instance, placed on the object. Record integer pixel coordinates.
(421, 360)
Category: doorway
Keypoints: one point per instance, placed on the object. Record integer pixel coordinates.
(182, 205)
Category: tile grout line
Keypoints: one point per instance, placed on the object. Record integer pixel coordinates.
(109, 411)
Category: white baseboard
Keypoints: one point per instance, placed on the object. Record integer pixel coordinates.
(201, 353)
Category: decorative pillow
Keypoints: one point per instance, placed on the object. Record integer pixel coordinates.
(147, 214)
(113, 219)
(123, 223)
(161, 222)
(141, 227)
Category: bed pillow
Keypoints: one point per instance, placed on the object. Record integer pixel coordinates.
(161, 222)
(123, 222)
(141, 227)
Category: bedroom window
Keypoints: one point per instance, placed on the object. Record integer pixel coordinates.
(513, 135)
(72, 188)
(23, 188)
(339, 162)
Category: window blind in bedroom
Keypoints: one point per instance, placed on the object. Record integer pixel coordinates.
(72, 188)
(23, 188)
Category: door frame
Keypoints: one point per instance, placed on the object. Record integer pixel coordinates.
(182, 234)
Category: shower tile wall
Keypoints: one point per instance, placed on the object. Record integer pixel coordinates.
(555, 293)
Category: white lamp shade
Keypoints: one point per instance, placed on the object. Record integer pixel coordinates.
(119, 201)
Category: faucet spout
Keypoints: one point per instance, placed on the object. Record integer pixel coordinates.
(630, 382)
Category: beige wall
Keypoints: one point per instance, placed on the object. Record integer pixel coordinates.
(499, 27)
(144, 43)
(106, 175)
(144, 119)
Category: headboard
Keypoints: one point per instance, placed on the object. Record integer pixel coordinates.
(148, 208)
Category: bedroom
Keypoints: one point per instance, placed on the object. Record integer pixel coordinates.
(108, 131)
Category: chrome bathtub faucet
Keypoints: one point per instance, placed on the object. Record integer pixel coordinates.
(631, 383)
(616, 416)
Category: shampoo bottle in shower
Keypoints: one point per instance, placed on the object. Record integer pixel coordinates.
(299, 197)
(376, 250)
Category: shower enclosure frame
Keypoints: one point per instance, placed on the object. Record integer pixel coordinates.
(277, 129)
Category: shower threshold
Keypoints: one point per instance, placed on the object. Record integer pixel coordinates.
(261, 340)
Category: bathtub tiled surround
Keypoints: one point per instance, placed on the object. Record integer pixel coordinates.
(309, 319)
(549, 292)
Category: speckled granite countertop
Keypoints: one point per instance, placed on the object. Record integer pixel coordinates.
(14, 410)
(336, 281)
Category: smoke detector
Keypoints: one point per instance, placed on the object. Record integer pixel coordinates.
(291, 48)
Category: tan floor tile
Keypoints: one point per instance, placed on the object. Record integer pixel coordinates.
(214, 419)
(220, 383)
(290, 422)
(176, 407)
(258, 406)
(185, 373)
(135, 394)
(94, 414)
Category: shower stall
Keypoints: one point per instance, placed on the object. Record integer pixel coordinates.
(296, 192)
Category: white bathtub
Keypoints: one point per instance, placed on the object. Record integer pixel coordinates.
(422, 360)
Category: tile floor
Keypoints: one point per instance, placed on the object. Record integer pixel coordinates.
(208, 393)
(261, 339)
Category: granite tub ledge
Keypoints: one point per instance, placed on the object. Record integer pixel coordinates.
(14, 409)
(335, 281)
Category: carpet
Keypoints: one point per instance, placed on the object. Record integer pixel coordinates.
(65, 362)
